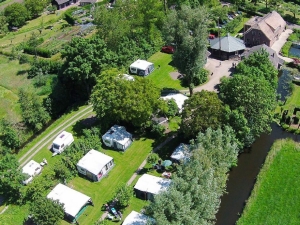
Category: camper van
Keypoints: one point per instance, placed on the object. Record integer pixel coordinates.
(63, 140)
(141, 67)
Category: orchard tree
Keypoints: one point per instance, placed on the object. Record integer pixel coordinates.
(32, 110)
(193, 197)
(202, 110)
(84, 60)
(11, 177)
(187, 28)
(254, 98)
(16, 14)
(45, 211)
(116, 99)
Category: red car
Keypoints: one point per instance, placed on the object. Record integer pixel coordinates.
(168, 49)
(211, 36)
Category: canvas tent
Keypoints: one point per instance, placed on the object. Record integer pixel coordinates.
(135, 218)
(73, 201)
(141, 67)
(148, 186)
(32, 168)
(95, 165)
(181, 153)
(117, 137)
(178, 98)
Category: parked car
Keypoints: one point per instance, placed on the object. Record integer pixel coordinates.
(168, 49)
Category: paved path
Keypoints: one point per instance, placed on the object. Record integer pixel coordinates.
(141, 167)
(216, 72)
(280, 42)
(45, 140)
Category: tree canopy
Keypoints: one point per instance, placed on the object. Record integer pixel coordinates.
(45, 211)
(35, 7)
(202, 110)
(187, 29)
(116, 99)
(194, 195)
(16, 14)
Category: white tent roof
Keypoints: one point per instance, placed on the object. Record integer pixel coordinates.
(73, 200)
(61, 137)
(31, 168)
(181, 152)
(141, 64)
(178, 98)
(94, 161)
(135, 218)
(152, 184)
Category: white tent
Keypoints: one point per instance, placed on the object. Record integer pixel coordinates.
(178, 98)
(181, 152)
(32, 168)
(73, 200)
(151, 184)
(94, 164)
(141, 67)
(135, 218)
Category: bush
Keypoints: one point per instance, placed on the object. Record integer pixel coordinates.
(286, 48)
(157, 130)
(38, 51)
(153, 158)
(43, 67)
(69, 19)
(172, 108)
(124, 195)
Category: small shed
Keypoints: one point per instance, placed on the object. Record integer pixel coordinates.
(87, 2)
(95, 165)
(135, 218)
(60, 4)
(227, 47)
(178, 98)
(181, 153)
(141, 67)
(148, 186)
(74, 201)
(31, 169)
(118, 138)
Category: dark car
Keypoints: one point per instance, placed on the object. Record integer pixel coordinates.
(168, 49)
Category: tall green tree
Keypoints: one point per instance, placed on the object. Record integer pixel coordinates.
(187, 28)
(116, 99)
(255, 98)
(194, 195)
(293, 8)
(16, 14)
(45, 211)
(9, 135)
(35, 7)
(84, 60)
(202, 110)
(11, 177)
(32, 110)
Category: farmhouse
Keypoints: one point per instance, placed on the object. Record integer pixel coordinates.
(32, 168)
(141, 67)
(95, 165)
(181, 153)
(135, 218)
(60, 4)
(117, 137)
(178, 98)
(74, 201)
(227, 47)
(148, 186)
(273, 57)
(264, 30)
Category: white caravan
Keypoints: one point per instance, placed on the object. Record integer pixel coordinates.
(63, 140)
(31, 169)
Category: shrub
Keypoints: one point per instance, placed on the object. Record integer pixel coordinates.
(172, 108)
(157, 130)
(153, 158)
(38, 51)
(286, 48)
(124, 195)
(69, 19)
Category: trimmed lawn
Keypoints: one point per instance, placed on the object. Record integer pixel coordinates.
(161, 76)
(275, 199)
(294, 99)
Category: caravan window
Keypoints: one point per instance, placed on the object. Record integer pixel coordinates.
(107, 142)
(133, 70)
(56, 146)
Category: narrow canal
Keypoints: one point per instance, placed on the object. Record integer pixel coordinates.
(242, 178)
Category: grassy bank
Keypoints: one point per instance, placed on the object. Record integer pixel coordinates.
(275, 198)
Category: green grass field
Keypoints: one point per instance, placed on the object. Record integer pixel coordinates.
(161, 76)
(275, 199)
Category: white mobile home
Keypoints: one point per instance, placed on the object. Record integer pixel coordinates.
(95, 165)
(181, 153)
(135, 218)
(178, 98)
(117, 137)
(148, 186)
(74, 201)
(63, 140)
(141, 67)
(31, 169)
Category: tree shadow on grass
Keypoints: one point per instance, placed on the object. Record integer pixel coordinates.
(86, 123)
(22, 72)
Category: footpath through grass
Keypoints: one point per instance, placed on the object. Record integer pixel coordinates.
(275, 199)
